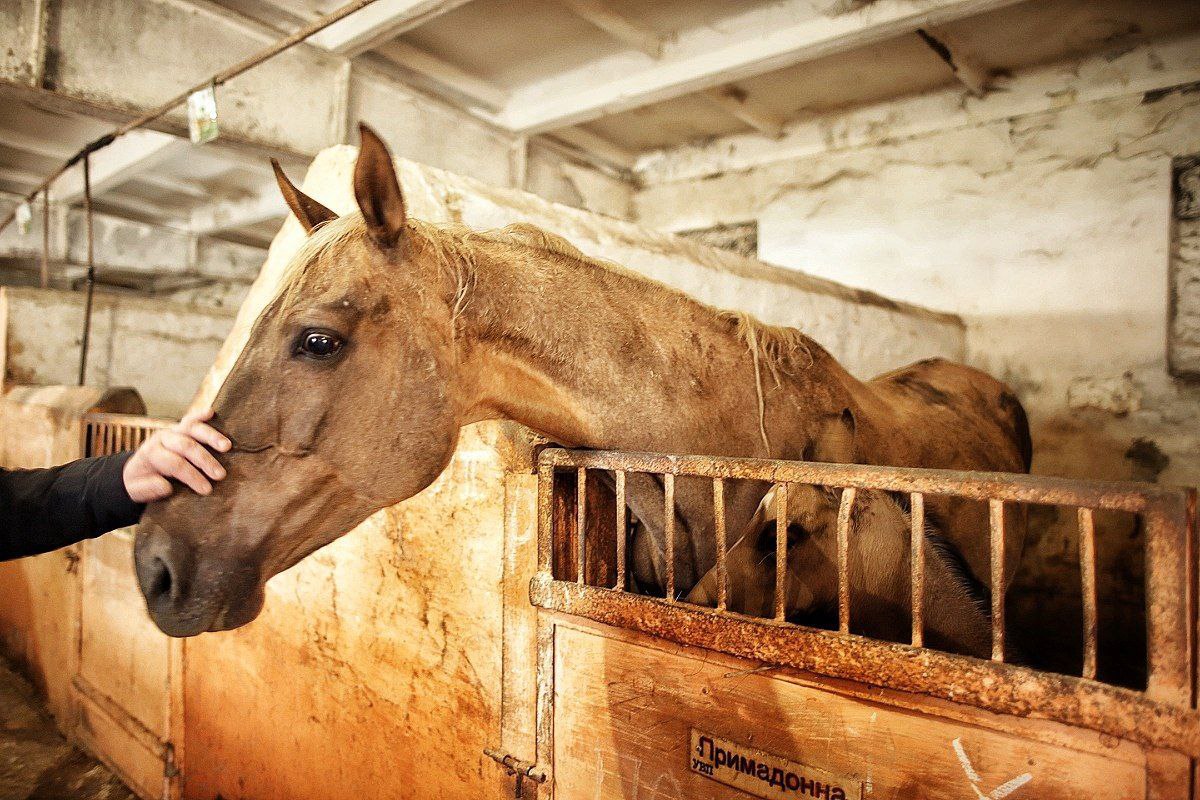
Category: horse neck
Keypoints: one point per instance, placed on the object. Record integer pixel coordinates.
(598, 357)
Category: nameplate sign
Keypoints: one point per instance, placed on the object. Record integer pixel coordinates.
(766, 775)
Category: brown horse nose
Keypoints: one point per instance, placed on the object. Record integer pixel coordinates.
(164, 568)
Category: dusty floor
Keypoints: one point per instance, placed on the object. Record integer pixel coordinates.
(36, 762)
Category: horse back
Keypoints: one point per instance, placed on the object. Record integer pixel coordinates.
(952, 416)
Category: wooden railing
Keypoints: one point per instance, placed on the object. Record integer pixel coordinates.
(105, 434)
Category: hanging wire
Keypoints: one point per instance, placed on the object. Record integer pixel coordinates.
(45, 276)
(216, 80)
(91, 270)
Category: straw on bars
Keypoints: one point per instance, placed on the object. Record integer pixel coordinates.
(216, 80)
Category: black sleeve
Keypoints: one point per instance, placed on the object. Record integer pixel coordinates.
(45, 509)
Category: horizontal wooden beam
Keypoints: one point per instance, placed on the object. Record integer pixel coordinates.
(380, 22)
(228, 215)
(760, 40)
(446, 77)
(133, 153)
(737, 103)
(637, 36)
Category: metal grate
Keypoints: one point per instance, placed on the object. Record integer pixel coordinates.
(1163, 715)
(105, 434)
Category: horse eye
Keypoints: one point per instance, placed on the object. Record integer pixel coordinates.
(319, 344)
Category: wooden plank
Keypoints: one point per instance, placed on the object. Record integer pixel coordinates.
(637, 36)
(762, 39)
(625, 732)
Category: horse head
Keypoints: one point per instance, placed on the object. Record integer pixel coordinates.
(341, 403)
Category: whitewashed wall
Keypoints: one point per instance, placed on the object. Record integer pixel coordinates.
(160, 348)
(1041, 213)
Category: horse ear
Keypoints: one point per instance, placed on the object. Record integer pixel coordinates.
(308, 211)
(377, 190)
(834, 439)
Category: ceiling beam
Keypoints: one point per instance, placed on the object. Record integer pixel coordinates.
(738, 104)
(226, 215)
(133, 153)
(609, 152)
(380, 22)
(962, 63)
(442, 76)
(763, 39)
(637, 36)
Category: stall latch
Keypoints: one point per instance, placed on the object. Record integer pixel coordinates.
(518, 767)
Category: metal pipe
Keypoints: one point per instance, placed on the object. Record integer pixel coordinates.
(45, 272)
(982, 486)
(91, 271)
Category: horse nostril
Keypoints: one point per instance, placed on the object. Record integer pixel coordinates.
(160, 582)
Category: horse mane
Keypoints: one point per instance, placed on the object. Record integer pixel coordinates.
(783, 350)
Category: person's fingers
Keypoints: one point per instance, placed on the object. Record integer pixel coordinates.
(173, 465)
(194, 452)
(149, 488)
(202, 415)
(209, 435)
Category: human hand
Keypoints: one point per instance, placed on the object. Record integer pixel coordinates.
(177, 452)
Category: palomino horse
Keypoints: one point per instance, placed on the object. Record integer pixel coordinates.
(389, 334)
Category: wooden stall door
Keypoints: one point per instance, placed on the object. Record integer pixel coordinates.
(124, 678)
(636, 717)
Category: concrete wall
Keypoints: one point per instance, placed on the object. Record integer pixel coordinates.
(163, 349)
(1042, 213)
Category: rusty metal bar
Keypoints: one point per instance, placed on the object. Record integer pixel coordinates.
(781, 526)
(993, 686)
(580, 524)
(545, 519)
(982, 486)
(719, 529)
(1087, 579)
(917, 568)
(843, 558)
(621, 533)
(669, 531)
(996, 527)
(1168, 601)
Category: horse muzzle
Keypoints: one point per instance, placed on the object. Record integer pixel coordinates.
(188, 593)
